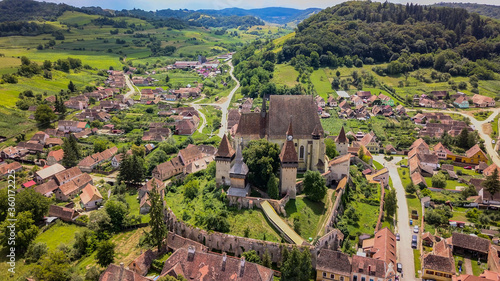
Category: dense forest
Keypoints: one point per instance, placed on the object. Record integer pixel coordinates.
(484, 10)
(412, 36)
(16, 13)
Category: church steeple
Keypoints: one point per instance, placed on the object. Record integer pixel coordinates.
(342, 137)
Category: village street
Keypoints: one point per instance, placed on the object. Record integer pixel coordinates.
(404, 250)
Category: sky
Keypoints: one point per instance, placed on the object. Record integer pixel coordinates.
(221, 4)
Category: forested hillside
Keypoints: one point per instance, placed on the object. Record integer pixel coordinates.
(271, 14)
(491, 11)
(410, 37)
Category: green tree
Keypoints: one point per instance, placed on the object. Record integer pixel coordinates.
(273, 187)
(251, 256)
(262, 159)
(85, 243)
(36, 251)
(191, 189)
(99, 221)
(100, 145)
(391, 203)
(314, 186)
(71, 151)
(463, 139)
(92, 274)
(439, 180)
(331, 148)
(492, 183)
(157, 222)
(297, 266)
(266, 259)
(410, 188)
(31, 201)
(53, 267)
(167, 79)
(105, 253)
(25, 232)
(71, 87)
(132, 169)
(44, 115)
(117, 212)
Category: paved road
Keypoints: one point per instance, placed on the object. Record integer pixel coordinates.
(224, 106)
(131, 87)
(404, 250)
(202, 116)
(490, 150)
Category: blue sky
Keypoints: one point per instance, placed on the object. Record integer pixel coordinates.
(220, 4)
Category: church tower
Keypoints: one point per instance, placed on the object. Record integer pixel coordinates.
(223, 160)
(317, 151)
(342, 143)
(289, 163)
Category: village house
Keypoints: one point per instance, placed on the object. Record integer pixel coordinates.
(440, 95)
(63, 213)
(12, 152)
(320, 101)
(332, 101)
(217, 267)
(482, 101)
(168, 169)
(344, 105)
(88, 163)
(461, 102)
(90, 197)
(48, 173)
(144, 205)
(47, 189)
(51, 142)
(356, 100)
(150, 185)
(385, 100)
(120, 273)
(472, 156)
(333, 265)
(441, 151)
(382, 247)
(6, 169)
(30, 147)
(39, 137)
(439, 264)
(365, 95)
(370, 142)
(55, 156)
(156, 134)
(381, 176)
(467, 244)
(72, 126)
(364, 268)
(339, 167)
(76, 104)
(185, 127)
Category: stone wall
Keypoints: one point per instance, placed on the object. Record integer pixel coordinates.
(237, 245)
(250, 202)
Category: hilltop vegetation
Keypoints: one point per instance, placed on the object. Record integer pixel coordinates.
(277, 15)
(491, 11)
(410, 37)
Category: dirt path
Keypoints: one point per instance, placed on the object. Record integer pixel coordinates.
(328, 212)
(467, 265)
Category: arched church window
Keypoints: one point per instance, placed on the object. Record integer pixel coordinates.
(301, 152)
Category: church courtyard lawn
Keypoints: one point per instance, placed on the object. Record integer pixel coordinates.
(59, 233)
(239, 220)
(310, 214)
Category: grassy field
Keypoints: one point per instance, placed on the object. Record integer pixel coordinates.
(239, 220)
(411, 199)
(308, 213)
(322, 84)
(59, 233)
(417, 262)
(285, 74)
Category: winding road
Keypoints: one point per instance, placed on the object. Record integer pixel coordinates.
(490, 150)
(223, 106)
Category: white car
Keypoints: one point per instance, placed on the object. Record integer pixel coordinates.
(415, 229)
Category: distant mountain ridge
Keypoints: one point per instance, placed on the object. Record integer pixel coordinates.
(491, 11)
(277, 15)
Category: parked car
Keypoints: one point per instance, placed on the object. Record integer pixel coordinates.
(411, 222)
(415, 229)
(468, 167)
(397, 237)
(414, 241)
(400, 267)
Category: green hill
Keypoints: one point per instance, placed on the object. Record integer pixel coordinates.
(491, 11)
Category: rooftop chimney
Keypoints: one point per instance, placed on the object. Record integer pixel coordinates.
(191, 251)
(242, 266)
(121, 271)
(224, 259)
